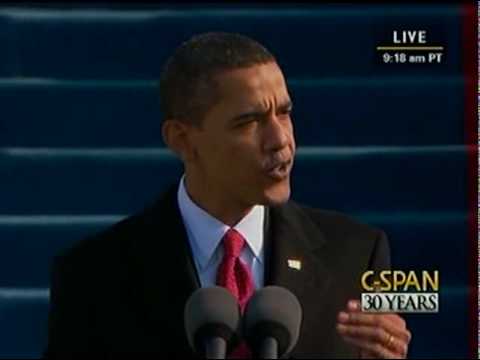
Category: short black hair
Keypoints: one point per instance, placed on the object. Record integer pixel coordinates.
(186, 84)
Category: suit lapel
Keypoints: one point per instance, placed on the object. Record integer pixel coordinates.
(294, 246)
(292, 236)
(167, 272)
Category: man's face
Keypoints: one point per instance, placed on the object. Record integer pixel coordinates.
(245, 148)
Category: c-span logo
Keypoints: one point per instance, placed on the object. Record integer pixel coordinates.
(400, 291)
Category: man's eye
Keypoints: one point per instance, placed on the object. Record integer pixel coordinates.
(248, 121)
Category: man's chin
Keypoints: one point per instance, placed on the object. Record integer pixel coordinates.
(276, 196)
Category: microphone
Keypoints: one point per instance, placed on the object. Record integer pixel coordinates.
(212, 321)
(272, 322)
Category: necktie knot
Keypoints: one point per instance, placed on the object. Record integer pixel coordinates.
(233, 243)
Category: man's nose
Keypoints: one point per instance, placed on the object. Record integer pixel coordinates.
(276, 134)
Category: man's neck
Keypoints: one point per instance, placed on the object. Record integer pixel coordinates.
(225, 210)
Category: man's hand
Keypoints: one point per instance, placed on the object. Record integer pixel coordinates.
(376, 335)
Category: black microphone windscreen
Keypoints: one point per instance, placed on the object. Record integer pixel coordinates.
(211, 312)
(273, 312)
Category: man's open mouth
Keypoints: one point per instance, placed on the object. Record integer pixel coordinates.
(280, 170)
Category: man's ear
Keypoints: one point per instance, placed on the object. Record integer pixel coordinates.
(177, 136)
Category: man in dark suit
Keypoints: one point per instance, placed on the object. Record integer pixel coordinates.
(227, 116)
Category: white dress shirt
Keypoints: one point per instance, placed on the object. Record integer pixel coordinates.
(205, 233)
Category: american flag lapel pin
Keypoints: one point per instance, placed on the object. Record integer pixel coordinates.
(294, 264)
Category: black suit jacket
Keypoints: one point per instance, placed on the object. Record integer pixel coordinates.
(124, 289)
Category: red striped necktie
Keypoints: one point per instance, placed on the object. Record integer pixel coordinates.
(235, 275)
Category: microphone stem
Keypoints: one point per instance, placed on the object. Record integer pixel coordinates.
(215, 348)
(269, 349)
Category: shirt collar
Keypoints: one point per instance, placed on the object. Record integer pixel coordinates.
(206, 232)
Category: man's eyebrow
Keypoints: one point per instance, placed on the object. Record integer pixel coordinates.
(259, 111)
(255, 111)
